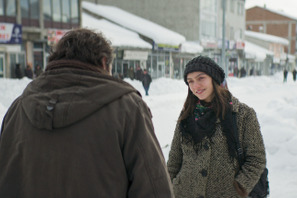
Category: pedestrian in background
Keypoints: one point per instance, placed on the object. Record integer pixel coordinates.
(285, 75)
(294, 74)
(131, 73)
(146, 81)
(37, 71)
(76, 131)
(18, 72)
(28, 72)
(139, 73)
(203, 157)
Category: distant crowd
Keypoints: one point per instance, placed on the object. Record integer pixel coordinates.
(28, 71)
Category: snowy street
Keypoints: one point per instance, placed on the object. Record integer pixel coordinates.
(274, 101)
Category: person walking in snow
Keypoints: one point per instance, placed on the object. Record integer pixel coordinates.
(131, 73)
(146, 81)
(139, 73)
(28, 72)
(203, 156)
(17, 71)
(294, 74)
(285, 75)
(37, 71)
(76, 131)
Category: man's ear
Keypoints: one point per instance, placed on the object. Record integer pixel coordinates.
(105, 66)
(104, 63)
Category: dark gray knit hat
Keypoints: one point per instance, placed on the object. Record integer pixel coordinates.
(207, 65)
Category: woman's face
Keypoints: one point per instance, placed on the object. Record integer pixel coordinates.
(201, 85)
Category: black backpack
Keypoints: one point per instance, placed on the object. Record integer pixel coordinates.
(261, 189)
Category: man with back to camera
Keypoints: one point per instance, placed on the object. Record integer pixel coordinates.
(76, 131)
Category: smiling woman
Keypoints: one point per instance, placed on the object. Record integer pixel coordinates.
(200, 85)
(203, 157)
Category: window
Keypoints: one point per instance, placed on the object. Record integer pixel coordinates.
(25, 8)
(240, 8)
(74, 11)
(34, 9)
(57, 10)
(10, 8)
(66, 11)
(47, 10)
(232, 4)
(231, 33)
(208, 13)
(2, 7)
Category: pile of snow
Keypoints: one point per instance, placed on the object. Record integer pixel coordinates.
(274, 101)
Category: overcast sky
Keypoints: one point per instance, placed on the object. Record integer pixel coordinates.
(287, 6)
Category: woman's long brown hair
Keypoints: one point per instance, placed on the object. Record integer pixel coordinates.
(219, 103)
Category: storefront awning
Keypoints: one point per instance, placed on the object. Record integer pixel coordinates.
(191, 47)
(119, 36)
(158, 33)
(256, 52)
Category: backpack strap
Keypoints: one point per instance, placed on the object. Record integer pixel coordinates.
(236, 135)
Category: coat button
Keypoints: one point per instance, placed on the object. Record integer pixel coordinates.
(203, 172)
(206, 147)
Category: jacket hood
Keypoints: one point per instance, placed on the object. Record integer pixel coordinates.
(61, 97)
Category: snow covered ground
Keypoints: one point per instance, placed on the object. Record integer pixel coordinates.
(274, 101)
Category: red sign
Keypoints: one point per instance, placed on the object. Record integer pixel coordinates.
(53, 36)
(240, 45)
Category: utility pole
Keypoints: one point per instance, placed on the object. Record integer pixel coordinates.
(223, 58)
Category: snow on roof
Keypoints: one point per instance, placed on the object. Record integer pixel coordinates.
(157, 33)
(191, 47)
(118, 36)
(256, 52)
(267, 37)
(280, 13)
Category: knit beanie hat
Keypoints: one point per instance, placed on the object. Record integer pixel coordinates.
(207, 65)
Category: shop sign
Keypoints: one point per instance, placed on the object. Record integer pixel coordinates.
(53, 36)
(166, 47)
(220, 42)
(10, 33)
(240, 45)
(135, 55)
(209, 44)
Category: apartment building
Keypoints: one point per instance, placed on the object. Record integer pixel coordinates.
(264, 20)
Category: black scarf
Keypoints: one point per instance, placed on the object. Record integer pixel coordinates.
(202, 123)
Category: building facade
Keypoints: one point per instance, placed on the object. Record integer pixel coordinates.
(261, 19)
(41, 23)
(197, 20)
